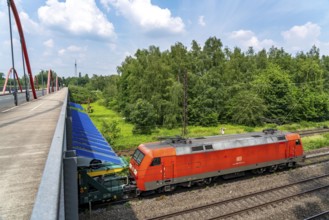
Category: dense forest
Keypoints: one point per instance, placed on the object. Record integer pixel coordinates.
(223, 86)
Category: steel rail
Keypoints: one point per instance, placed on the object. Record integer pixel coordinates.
(236, 198)
(313, 132)
(271, 202)
(310, 156)
(319, 215)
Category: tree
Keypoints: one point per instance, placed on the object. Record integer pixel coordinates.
(81, 95)
(272, 85)
(247, 108)
(278, 92)
(143, 116)
(2, 76)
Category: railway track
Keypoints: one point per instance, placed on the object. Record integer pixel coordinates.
(311, 132)
(302, 133)
(253, 201)
(322, 215)
(315, 159)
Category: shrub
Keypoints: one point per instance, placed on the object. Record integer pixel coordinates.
(249, 129)
(110, 131)
(81, 95)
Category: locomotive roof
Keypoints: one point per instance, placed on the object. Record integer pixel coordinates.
(220, 142)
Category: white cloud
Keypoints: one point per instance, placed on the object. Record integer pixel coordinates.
(72, 49)
(16, 42)
(2, 14)
(201, 21)
(247, 38)
(49, 43)
(302, 37)
(61, 52)
(76, 17)
(147, 16)
(112, 46)
(106, 5)
(29, 26)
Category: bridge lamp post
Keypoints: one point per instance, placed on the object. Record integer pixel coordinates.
(12, 54)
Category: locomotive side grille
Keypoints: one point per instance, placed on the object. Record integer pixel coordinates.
(255, 136)
(281, 138)
(197, 148)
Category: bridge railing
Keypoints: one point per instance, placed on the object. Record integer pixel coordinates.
(57, 195)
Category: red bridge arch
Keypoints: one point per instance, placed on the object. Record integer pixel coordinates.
(8, 76)
(26, 56)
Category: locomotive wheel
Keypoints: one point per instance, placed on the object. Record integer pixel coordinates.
(282, 166)
(160, 190)
(207, 181)
(291, 164)
(273, 168)
(259, 170)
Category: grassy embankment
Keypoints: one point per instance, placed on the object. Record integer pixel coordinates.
(128, 140)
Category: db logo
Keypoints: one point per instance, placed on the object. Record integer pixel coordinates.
(239, 159)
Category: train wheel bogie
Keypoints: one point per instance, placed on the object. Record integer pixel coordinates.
(207, 181)
(169, 188)
(259, 170)
(291, 164)
(273, 168)
(233, 175)
(281, 166)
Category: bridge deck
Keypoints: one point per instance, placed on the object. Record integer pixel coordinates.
(26, 133)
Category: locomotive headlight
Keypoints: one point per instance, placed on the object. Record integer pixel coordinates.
(130, 165)
(135, 172)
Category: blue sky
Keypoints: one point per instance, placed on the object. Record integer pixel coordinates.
(99, 34)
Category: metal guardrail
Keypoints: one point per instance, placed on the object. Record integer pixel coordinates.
(57, 197)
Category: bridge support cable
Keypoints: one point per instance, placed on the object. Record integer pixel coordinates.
(57, 197)
(21, 35)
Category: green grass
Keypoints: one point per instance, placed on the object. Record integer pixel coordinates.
(128, 140)
(315, 142)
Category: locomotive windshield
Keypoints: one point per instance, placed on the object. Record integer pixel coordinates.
(138, 156)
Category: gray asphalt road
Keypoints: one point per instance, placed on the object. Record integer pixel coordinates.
(7, 101)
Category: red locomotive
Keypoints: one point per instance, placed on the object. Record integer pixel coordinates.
(164, 165)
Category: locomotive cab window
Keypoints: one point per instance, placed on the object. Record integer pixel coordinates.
(298, 142)
(156, 161)
(138, 156)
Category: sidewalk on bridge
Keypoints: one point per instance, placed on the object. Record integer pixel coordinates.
(26, 133)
